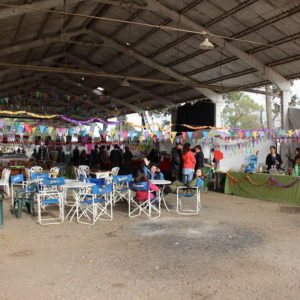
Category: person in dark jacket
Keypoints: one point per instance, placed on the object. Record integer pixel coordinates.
(116, 157)
(273, 159)
(199, 158)
(127, 158)
(176, 162)
(76, 156)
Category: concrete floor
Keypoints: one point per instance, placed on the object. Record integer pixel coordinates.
(236, 248)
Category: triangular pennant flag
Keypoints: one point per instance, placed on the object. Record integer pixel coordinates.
(131, 134)
(190, 134)
(1, 123)
(173, 135)
(33, 129)
(50, 129)
(42, 128)
(205, 134)
(183, 135)
(241, 134)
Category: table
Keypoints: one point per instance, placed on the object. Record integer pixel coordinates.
(264, 187)
(74, 185)
(162, 184)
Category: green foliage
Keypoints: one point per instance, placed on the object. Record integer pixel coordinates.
(241, 111)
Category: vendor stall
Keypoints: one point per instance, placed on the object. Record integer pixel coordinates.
(279, 188)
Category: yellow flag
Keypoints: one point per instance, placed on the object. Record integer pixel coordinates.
(33, 129)
(50, 129)
(254, 133)
(173, 135)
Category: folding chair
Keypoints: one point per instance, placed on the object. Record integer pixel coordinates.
(136, 207)
(190, 193)
(46, 199)
(1, 209)
(53, 184)
(121, 188)
(98, 181)
(95, 206)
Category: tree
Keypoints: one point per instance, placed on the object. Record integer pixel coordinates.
(295, 100)
(241, 111)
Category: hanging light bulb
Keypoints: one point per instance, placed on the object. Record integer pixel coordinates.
(125, 83)
(206, 44)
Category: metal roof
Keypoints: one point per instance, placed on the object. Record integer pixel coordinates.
(43, 38)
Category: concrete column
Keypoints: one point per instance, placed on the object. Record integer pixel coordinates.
(219, 104)
(285, 99)
(270, 123)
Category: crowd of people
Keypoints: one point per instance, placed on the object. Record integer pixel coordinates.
(104, 158)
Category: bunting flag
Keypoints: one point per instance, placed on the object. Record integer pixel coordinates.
(173, 135)
(42, 129)
(190, 134)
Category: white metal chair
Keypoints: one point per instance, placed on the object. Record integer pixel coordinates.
(4, 181)
(115, 171)
(36, 169)
(136, 207)
(121, 190)
(189, 192)
(96, 205)
(28, 173)
(46, 199)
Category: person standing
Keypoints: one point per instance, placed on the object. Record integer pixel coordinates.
(76, 156)
(176, 162)
(199, 158)
(127, 158)
(273, 159)
(189, 163)
(94, 157)
(116, 157)
(104, 158)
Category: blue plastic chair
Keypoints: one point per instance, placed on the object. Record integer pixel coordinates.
(95, 206)
(136, 207)
(42, 176)
(121, 190)
(193, 192)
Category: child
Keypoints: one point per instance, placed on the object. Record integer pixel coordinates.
(152, 171)
(192, 184)
(143, 195)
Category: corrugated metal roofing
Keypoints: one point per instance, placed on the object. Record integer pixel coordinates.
(149, 52)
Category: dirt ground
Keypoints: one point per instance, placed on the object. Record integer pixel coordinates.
(236, 248)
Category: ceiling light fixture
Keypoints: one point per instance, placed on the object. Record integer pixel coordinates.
(206, 44)
(125, 83)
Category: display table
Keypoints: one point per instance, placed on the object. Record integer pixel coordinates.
(279, 188)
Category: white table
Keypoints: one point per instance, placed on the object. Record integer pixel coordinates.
(75, 186)
(162, 184)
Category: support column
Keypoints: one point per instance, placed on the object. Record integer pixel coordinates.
(270, 123)
(219, 107)
(285, 99)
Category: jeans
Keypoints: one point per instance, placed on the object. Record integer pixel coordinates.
(187, 175)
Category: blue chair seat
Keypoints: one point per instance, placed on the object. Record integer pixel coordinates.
(122, 189)
(186, 195)
(90, 201)
(50, 201)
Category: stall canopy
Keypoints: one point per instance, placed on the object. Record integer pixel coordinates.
(54, 57)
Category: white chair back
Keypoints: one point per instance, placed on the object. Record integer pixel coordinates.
(36, 169)
(54, 170)
(115, 171)
(84, 168)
